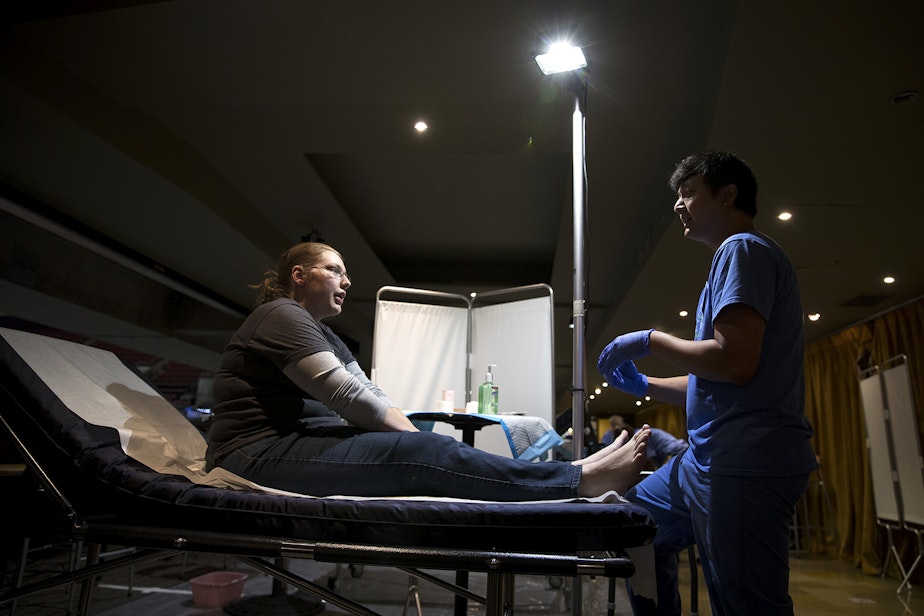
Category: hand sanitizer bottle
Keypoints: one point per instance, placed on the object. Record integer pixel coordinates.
(487, 394)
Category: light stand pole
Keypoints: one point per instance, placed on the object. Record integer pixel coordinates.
(578, 308)
(568, 61)
(578, 305)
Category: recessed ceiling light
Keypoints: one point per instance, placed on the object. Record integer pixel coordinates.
(591, 396)
(605, 384)
(784, 215)
(421, 126)
(814, 316)
(888, 279)
(683, 313)
(638, 403)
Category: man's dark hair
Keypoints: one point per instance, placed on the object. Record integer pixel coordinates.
(720, 169)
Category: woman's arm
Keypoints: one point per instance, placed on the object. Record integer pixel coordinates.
(354, 368)
(325, 379)
(396, 421)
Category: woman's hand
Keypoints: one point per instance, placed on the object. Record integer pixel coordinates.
(396, 421)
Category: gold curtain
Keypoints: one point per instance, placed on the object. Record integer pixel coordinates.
(833, 406)
(669, 418)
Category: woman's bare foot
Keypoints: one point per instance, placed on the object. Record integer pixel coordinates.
(616, 470)
(618, 442)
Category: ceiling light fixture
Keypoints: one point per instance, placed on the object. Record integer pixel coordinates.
(421, 126)
(888, 279)
(561, 57)
(683, 313)
(785, 215)
(814, 317)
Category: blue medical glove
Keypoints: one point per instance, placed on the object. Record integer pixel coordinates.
(627, 378)
(622, 349)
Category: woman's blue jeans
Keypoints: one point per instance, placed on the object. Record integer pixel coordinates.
(349, 461)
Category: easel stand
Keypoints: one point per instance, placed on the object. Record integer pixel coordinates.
(893, 553)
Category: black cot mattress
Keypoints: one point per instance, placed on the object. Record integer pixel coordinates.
(78, 412)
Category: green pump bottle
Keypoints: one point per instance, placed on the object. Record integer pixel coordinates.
(487, 394)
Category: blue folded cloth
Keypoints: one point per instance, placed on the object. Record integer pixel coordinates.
(530, 438)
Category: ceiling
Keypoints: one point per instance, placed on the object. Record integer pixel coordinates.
(156, 157)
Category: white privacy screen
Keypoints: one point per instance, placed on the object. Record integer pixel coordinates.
(517, 336)
(421, 349)
(418, 351)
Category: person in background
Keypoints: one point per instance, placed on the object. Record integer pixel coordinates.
(661, 446)
(349, 438)
(734, 490)
(610, 435)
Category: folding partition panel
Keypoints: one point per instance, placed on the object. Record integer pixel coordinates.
(420, 349)
(896, 464)
(517, 336)
(429, 341)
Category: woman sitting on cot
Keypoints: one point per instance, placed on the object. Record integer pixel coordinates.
(287, 387)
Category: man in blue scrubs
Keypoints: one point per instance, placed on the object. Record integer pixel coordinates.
(733, 492)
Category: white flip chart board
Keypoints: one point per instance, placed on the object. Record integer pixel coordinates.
(879, 446)
(905, 439)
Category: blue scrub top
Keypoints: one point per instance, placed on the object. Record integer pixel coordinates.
(758, 429)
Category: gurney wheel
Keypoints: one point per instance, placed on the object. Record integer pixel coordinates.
(556, 581)
(356, 571)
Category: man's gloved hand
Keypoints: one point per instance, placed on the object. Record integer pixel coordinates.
(622, 349)
(627, 378)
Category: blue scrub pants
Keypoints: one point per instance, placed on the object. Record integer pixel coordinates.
(348, 461)
(740, 526)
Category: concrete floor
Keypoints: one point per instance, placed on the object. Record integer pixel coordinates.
(162, 588)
